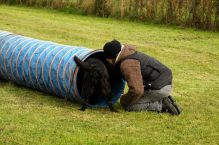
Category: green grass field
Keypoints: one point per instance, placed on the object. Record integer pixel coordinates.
(31, 117)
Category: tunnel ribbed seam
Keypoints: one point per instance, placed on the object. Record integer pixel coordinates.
(57, 72)
(1, 70)
(19, 53)
(37, 62)
(14, 50)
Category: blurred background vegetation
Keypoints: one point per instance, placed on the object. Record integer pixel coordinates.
(202, 14)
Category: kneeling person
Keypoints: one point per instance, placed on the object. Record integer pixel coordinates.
(149, 81)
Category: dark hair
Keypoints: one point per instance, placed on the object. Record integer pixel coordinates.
(112, 49)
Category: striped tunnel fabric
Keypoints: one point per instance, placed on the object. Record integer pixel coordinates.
(44, 65)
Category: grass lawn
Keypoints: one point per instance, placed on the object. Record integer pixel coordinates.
(31, 117)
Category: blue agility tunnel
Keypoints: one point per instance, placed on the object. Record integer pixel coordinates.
(48, 66)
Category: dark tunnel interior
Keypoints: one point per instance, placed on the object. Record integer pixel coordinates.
(115, 78)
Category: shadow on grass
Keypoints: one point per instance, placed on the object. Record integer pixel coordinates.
(3, 83)
(27, 95)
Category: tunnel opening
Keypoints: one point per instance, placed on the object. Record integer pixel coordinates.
(116, 81)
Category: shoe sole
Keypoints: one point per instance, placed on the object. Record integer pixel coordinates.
(178, 108)
(172, 109)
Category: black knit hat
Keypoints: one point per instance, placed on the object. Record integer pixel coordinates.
(111, 49)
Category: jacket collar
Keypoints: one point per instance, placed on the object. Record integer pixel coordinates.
(119, 53)
(126, 50)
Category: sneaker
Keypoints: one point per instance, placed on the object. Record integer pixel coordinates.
(170, 106)
(179, 109)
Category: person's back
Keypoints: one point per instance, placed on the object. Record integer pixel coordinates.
(154, 73)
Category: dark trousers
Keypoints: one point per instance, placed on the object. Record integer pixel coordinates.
(151, 100)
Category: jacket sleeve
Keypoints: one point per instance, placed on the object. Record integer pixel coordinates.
(131, 70)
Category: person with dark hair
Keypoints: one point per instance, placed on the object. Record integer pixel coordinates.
(149, 81)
